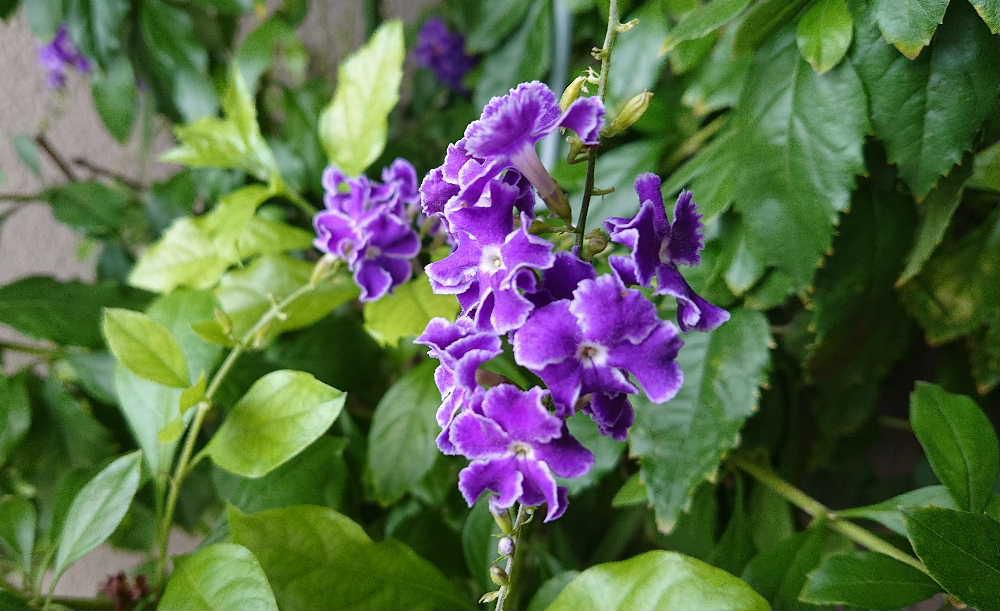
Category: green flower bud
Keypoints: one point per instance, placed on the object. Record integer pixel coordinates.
(499, 576)
(502, 519)
(630, 113)
(572, 92)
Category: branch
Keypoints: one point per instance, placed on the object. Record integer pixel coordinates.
(64, 167)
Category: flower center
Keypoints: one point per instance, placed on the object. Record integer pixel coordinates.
(521, 449)
(491, 261)
(592, 353)
(372, 252)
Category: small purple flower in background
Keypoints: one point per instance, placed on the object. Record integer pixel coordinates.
(443, 52)
(367, 225)
(58, 55)
(517, 447)
(659, 247)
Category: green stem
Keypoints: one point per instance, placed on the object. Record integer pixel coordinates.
(184, 464)
(602, 86)
(816, 509)
(507, 593)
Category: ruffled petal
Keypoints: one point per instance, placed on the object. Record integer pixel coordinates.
(686, 239)
(539, 486)
(455, 273)
(585, 116)
(550, 335)
(609, 313)
(477, 437)
(373, 280)
(640, 234)
(647, 187)
(521, 413)
(499, 476)
(565, 456)
(435, 192)
(613, 414)
(523, 116)
(653, 362)
(693, 311)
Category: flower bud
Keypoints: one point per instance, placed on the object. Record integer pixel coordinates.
(505, 546)
(630, 113)
(499, 576)
(322, 268)
(502, 518)
(596, 241)
(222, 319)
(572, 92)
(489, 597)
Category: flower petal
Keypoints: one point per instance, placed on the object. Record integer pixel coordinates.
(641, 235)
(478, 437)
(653, 362)
(540, 487)
(609, 313)
(686, 239)
(693, 311)
(565, 456)
(585, 116)
(500, 476)
(521, 413)
(550, 335)
(613, 414)
(373, 280)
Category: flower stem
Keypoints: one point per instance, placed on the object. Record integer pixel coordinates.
(602, 84)
(54, 155)
(816, 509)
(507, 594)
(184, 463)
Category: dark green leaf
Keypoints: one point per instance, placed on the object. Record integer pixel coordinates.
(889, 512)
(632, 492)
(548, 591)
(301, 547)
(480, 534)
(735, 547)
(928, 111)
(15, 414)
(984, 354)
(406, 311)
(95, 372)
(986, 169)
(779, 573)
(493, 22)
(67, 313)
(97, 26)
(770, 518)
(635, 67)
(91, 207)
(761, 20)
(681, 444)
(909, 24)
(867, 580)
(824, 34)
(146, 347)
(17, 530)
(960, 551)
(7, 8)
(606, 452)
(703, 20)
(959, 441)
(219, 577)
(281, 415)
(658, 580)
(523, 57)
(989, 10)
(116, 97)
(262, 47)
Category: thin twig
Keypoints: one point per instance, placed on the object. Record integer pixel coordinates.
(98, 170)
(64, 167)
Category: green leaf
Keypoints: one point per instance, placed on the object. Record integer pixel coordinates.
(15, 414)
(67, 313)
(779, 573)
(146, 347)
(523, 57)
(95, 372)
(406, 311)
(316, 477)
(27, 152)
(401, 448)
(657, 580)
(301, 547)
(353, 127)
(184, 256)
(889, 512)
(219, 577)
(867, 580)
(636, 69)
(770, 518)
(606, 450)
(97, 509)
(116, 97)
(824, 34)
(94, 208)
(281, 414)
(679, 447)
(480, 534)
(17, 530)
(96, 27)
(937, 210)
(989, 10)
(960, 551)
(703, 21)
(246, 294)
(928, 111)
(959, 441)
(191, 395)
(632, 492)
(984, 354)
(909, 24)
(763, 18)
(709, 174)
(550, 589)
(262, 47)
(986, 169)
(493, 22)
(228, 220)
(618, 169)
(799, 147)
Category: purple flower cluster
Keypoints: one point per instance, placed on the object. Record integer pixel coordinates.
(590, 338)
(443, 51)
(369, 225)
(59, 55)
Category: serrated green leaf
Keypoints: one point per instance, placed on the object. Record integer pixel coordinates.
(909, 24)
(867, 580)
(824, 34)
(146, 347)
(18, 519)
(632, 492)
(681, 444)
(401, 448)
(218, 577)
(116, 97)
(889, 513)
(91, 207)
(97, 509)
(406, 311)
(703, 21)
(281, 414)
(959, 441)
(354, 125)
(301, 547)
(928, 111)
(658, 580)
(708, 174)
(960, 551)
(779, 573)
(989, 10)
(799, 145)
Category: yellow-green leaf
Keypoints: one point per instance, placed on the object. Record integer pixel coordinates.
(146, 347)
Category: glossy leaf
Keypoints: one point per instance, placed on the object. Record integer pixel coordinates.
(889, 512)
(989, 10)
(281, 414)
(657, 580)
(909, 24)
(218, 577)
(18, 519)
(97, 509)
(681, 444)
(184, 256)
(779, 573)
(406, 311)
(867, 580)
(146, 347)
(301, 547)
(353, 127)
(401, 448)
(960, 443)
(15, 414)
(960, 551)
(525, 56)
(703, 20)
(824, 34)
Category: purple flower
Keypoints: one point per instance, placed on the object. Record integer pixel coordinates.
(365, 224)
(659, 247)
(517, 448)
(443, 51)
(492, 262)
(460, 349)
(60, 54)
(590, 343)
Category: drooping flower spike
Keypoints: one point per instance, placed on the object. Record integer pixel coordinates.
(658, 247)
